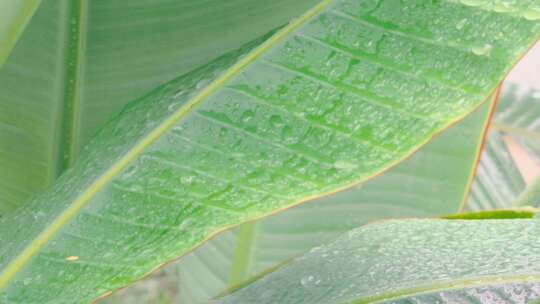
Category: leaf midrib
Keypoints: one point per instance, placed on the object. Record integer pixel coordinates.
(74, 39)
(79, 202)
(448, 285)
(243, 254)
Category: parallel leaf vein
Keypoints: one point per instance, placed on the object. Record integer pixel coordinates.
(321, 162)
(320, 80)
(259, 100)
(385, 65)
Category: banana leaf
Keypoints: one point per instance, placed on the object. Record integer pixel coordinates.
(339, 95)
(79, 62)
(458, 261)
(14, 16)
(412, 188)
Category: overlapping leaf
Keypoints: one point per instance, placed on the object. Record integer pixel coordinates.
(412, 188)
(340, 94)
(399, 262)
(78, 62)
(14, 15)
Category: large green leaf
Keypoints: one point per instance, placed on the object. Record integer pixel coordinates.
(414, 261)
(500, 182)
(14, 15)
(340, 94)
(412, 188)
(80, 61)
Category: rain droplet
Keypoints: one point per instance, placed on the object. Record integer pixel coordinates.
(473, 2)
(171, 107)
(532, 13)
(39, 215)
(461, 24)
(503, 7)
(187, 179)
(482, 50)
(186, 224)
(247, 115)
(344, 165)
(179, 93)
(276, 121)
(288, 135)
(203, 83)
(307, 281)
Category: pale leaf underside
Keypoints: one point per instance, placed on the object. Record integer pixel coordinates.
(398, 262)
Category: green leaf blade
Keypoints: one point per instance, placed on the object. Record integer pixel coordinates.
(14, 15)
(400, 261)
(411, 189)
(85, 60)
(29, 119)
(215, 148)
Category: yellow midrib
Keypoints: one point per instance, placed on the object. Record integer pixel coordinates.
(33, 247)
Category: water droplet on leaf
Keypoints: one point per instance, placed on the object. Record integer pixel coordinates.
(344, 165)
(247, 116)
(532, 13)
(461, 24)
(482, 50)
(276, 121)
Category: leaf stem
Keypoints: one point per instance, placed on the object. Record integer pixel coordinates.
(243, 253)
